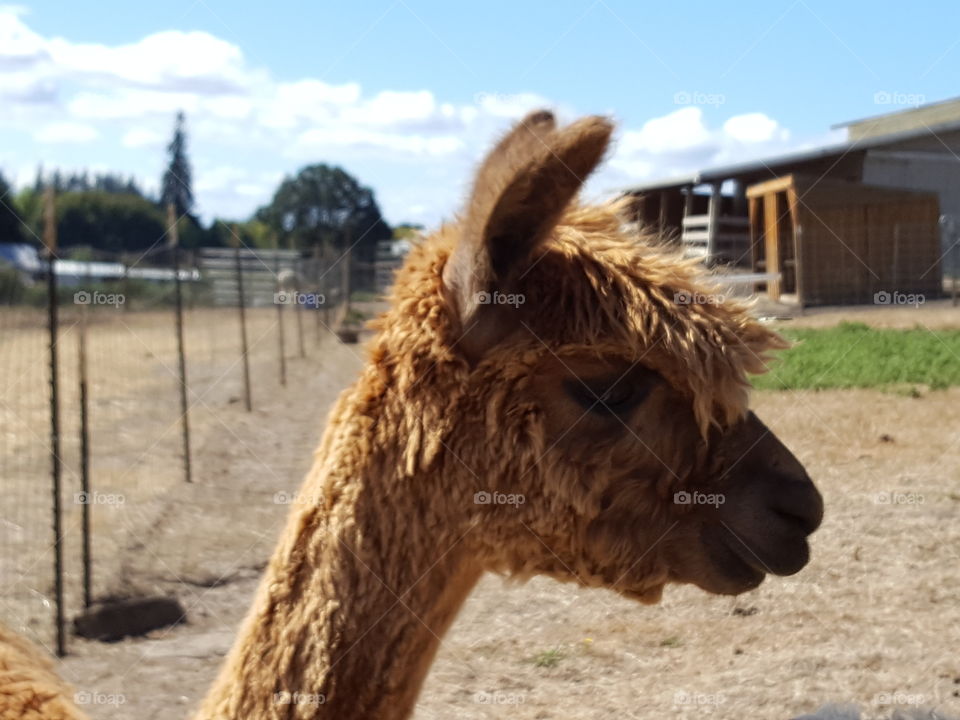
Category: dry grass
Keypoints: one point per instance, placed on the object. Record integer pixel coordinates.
(873, 618)
(135, 434)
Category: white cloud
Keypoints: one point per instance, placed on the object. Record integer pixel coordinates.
(246, 129)
(169, 59)
(682, 142)
(509, 105)
(65, 132)
(679, 131)
(141, 137)
(754, 128)
(321, 139)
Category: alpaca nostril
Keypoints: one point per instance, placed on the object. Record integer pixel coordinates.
(799, 502)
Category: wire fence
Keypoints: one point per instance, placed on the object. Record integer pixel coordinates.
(109, 390)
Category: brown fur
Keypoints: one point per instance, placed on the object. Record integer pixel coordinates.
(594, 401)
(29, 687)
(461, 397)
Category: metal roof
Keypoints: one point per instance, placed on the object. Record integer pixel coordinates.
(904, 111)
(729, 172)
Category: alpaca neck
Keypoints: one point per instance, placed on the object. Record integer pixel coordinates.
(352, 607)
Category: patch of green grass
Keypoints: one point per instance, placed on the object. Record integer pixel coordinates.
(853, 355)
(672, 641)
(547, 658)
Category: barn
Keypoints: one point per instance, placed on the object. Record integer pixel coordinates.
(874, 219)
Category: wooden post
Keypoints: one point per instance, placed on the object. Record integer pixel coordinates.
(662, 215)
(345, 282)
(688, 198)
(318, 290)
(326, 285)
(280, 301)
(772, 243)
(713, 222)
(248, 402)
(181, 350)
(798, 246)
(895, 261)
(956, 273)
(298, 308)
(298, 314)
(50, 245)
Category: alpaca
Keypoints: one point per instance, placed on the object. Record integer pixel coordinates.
(29, 688)
(541, 398)
(536, 401)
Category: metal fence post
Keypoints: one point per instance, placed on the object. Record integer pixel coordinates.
(50, 243)
(181, 350)
(281, 293)
(85, 461)
(243, 322)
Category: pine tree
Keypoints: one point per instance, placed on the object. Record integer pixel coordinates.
(176, 185)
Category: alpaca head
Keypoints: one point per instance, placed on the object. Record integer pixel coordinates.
(579, 394)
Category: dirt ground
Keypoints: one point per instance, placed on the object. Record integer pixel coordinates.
(873, 620)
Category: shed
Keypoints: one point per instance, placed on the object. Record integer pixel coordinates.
(835, 242)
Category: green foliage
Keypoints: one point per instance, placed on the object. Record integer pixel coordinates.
(325, 205)
(108, 221)
(224, 233)
(83, 181)
(193, 234)
(11, 228)
(548, 658)
(29, 203)
(261, 235)
(407, 231)
(177, 186)
(854, 355)
(12, 288)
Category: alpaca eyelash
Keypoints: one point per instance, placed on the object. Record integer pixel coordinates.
(606, 397)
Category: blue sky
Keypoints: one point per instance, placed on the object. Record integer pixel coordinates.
(406, 94)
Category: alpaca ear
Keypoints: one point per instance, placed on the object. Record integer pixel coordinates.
(519, 195)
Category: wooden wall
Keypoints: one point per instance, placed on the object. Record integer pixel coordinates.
(854, 241)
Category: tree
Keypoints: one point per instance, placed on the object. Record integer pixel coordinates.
(111, 222)
(11, 228)
(324, 205)
(30, 208)
(176, 185)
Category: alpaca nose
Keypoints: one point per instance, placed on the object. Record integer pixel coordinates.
(766, 479)
(796, 499)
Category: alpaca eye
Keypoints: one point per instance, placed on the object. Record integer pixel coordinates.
(603, 397)
(617, 396)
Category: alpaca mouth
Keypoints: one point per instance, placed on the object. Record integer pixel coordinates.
(740, 564)
(736, 570)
